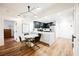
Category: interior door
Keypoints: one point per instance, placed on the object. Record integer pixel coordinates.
(76, 30)
(7, 33)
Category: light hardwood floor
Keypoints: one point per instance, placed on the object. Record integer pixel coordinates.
(61, 47)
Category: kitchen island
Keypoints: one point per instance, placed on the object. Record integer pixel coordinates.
(47, 37)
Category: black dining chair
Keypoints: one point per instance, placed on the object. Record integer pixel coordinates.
(36, 40)
(20, 38)
(26, 42)
(26, 34)
(23, 42)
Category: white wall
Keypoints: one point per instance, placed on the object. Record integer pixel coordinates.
(18, 30)
(29, 23)
(1, 32)
(64, 25)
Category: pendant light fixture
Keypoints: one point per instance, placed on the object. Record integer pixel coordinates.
(27, 12)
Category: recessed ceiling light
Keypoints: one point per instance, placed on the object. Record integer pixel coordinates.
(35, 16)
(38, 8)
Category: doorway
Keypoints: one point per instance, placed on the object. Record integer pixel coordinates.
(8, 32)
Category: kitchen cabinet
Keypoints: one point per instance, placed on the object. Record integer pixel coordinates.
(48, 37)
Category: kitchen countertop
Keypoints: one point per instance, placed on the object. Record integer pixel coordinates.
(43, 32)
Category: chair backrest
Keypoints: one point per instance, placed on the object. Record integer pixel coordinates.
(20, 38)
(26, 34)
(39, 35)
(38, 38)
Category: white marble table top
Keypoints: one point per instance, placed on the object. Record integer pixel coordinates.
(31, 36)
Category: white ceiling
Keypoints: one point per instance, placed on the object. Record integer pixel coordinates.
(40, 9)
(22, 7)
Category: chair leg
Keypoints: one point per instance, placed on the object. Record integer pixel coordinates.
(22, 45)
(36, 46)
